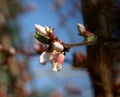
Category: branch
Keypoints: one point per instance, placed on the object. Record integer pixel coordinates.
(13, 51)
(86, 43)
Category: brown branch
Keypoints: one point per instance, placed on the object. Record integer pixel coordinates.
(17, 51)
(86, 43)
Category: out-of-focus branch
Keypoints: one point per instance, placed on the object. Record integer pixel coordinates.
(13, 51)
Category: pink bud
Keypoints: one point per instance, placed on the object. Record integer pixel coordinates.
(40, 29)
(88, 33)
(60, 59)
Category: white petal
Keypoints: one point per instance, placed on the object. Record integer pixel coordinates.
(47, 29)
(40, 29)
(81, 28)
(58, 46)
(54, 67)
(44, 58)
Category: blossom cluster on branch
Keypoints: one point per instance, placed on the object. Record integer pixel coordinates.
(55, 49)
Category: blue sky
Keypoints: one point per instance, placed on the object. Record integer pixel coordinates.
(43, 75)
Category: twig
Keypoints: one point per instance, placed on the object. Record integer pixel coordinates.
(86, 43)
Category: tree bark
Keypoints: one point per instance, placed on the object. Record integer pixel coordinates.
(100, 69)
(99, 57)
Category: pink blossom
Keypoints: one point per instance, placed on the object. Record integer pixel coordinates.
(57, 59)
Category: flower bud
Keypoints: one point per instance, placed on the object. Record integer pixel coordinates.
(81, 28)
(44, 58)
(40, 29)
(58, 46)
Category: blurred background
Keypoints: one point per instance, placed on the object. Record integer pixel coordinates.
(21, 75)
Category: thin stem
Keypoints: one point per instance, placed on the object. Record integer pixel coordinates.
(79, 44)
(86, 43)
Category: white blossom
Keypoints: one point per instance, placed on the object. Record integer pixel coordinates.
(44, 57)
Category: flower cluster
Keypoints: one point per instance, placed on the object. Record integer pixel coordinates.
(54, 52)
